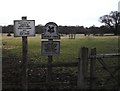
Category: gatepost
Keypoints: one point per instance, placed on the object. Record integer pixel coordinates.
(50, 47)
(0, 58)
(24, 28)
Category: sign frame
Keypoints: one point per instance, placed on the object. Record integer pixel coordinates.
(43, 52)
(19, 29)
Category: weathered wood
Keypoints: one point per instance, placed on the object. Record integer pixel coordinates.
(92, 69)
(49, 68)
(110, 55)
(24, 60)
(119, 64)
(82, 68)
(85, 62)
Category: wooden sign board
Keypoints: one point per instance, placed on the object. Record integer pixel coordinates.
(50, 31)
(24, 28)
(50, 47)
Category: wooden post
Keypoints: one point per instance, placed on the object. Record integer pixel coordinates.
(24, 61)
(49, 78)
(0, 59)
(92, 68)
(119, 63)
(49, 70)
(82, 68)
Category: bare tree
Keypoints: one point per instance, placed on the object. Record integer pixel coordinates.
(112, 20)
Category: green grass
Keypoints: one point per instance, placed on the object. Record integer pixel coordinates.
(69, 47)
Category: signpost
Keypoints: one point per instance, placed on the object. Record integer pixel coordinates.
(50, 47)
(24, 28)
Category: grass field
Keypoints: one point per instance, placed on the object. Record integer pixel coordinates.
(12, 53)
(69, 47)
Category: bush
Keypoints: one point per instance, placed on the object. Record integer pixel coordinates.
(8, 34)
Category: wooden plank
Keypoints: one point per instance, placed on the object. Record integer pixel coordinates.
(49, 70)
(110, 55)
(82, 68)
(92, 69)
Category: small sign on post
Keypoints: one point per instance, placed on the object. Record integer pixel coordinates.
(24, 28)
(50, 31)
(50, 47)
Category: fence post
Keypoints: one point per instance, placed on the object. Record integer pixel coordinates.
(82, 68)
(119, 65)
(92, 68)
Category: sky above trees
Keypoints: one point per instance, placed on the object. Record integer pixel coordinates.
(63, 12)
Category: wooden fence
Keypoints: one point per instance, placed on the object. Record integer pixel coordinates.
(86, 69)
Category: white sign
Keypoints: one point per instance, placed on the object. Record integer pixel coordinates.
(119, 6)
(50, 31)
(50, 47)
(24, 28)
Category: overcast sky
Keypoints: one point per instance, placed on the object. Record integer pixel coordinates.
(63, 12)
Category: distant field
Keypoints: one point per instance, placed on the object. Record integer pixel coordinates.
(69, 47)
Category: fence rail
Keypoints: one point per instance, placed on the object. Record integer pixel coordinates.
(110, 55)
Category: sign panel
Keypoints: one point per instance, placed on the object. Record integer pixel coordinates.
(50, 47)
(50, 31)
(119, 6)
(24, 28)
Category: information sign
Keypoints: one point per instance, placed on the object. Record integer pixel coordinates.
(50, 47)
(24, 28)
(50, 31)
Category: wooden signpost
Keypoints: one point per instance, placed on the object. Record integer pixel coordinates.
(24, 28)
(50, 47)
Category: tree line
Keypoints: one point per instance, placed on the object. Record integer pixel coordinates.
(111, 26)
(65, 29)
